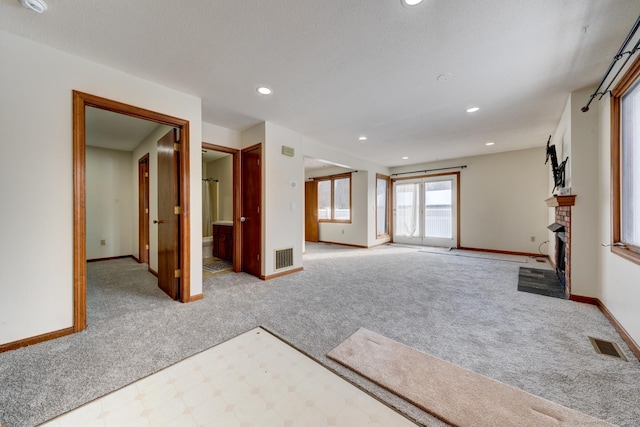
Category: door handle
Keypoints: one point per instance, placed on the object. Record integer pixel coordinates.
(243, 219)
(158, 221)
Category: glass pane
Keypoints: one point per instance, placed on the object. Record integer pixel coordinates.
(407, 210)
(630, 167)
(324, 199)
(437, 211)
(381, 206)
(342, 199)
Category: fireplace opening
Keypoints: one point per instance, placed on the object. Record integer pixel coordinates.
(560, 258)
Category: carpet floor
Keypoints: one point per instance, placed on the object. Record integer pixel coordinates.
(464, 310)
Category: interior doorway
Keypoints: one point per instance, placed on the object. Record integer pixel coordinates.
(227, 214)
(425, 210)
(181, 235)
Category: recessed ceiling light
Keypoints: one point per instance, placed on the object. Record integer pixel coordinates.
(473, 109)
(362, 138)
(405, 158)
(263, 90)
(35, 5)
(411, 2)
(489, 143)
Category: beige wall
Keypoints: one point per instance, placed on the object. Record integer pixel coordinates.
(501, 199)
(37, 120)
(109, 202)
(618, 279)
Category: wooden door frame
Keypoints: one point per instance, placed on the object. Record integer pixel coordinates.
(457, 174)
(143, 217)
(237, 241)
(82, 100)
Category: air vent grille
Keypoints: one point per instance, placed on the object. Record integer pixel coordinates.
(284, 258)
(607, 347)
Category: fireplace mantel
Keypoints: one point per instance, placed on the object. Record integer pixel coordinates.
(555, 201)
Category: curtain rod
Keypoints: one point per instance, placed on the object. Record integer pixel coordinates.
(429, 170)
(619, 55)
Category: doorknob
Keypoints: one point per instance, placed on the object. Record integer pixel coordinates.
(243, 219)
(158, 221)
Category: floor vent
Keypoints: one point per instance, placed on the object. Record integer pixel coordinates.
(607, 347)
(284, 258)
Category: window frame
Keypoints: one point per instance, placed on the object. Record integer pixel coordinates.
(332, 179)
(388, 206)
(618, 247)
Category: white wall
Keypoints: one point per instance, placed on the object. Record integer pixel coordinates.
(501, 199)
(618, 279)
(214, 134)
(36, 130)
(585, 242)
(109, 202)
(283, 181)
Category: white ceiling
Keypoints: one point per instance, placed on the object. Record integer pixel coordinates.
(115, 131)
(340, 69)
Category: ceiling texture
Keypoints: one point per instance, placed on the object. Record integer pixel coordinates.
(341, 69)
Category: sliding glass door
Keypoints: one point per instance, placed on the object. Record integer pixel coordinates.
(426, 211)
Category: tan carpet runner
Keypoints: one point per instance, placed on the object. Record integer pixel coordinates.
(447, 391)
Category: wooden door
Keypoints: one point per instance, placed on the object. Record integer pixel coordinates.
(251, 215)
(143, 209)
(168, 220)
(311, 226)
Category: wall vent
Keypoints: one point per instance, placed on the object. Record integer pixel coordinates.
(284, 258)
(607, 347)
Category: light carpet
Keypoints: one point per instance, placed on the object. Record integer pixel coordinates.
(463, 310)
(453, 394)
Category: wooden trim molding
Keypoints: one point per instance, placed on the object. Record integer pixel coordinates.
(80, 102)
(627, 251)
(344, 244)
(633, 345)
(282, 273)
(496, 251)
(109, 258)
(388, 207)
(555, 201)
(197, 297)
(37, 339)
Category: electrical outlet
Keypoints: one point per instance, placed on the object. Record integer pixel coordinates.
(533, 238)
(103, 242)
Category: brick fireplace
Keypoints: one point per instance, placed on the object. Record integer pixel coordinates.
(562, 256)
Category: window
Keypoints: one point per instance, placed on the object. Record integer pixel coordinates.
(334, 198)
(382, 205)
(625, 164)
